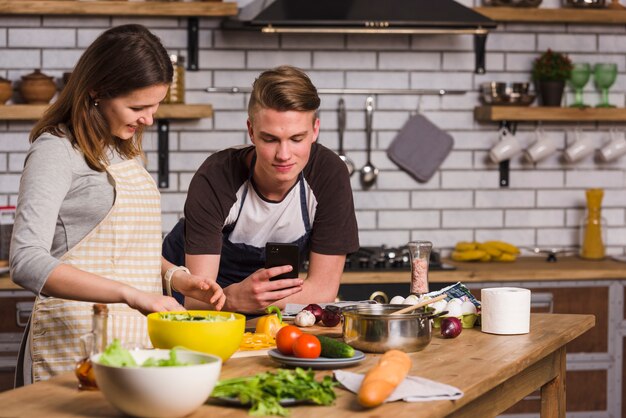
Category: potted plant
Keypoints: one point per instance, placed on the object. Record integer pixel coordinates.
(550, 71)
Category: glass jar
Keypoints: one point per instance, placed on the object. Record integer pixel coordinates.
(593, 227)
(92, 343)
(176, 92)
(420, 257)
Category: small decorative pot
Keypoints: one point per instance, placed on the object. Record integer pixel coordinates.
(6, 90)
(550, 92)
(37, 88)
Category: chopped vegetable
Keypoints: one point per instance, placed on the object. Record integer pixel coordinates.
(186, 316)
(264, 391)
(305, 319)
(256, 341)
(270, 323)
(117, 356)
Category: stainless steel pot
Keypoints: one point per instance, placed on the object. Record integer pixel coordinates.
(374, 329)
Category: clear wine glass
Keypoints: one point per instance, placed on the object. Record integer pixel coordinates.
(581, 72)
(604, 76)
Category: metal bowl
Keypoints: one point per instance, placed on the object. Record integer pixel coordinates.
(503, 94)
(591, 4)
(374, 329)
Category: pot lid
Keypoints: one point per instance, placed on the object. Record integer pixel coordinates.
(36, 75)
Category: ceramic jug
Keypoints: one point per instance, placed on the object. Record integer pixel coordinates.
(37, 88)
(6, 90)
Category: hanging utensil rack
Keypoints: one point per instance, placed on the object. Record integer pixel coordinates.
(419, 92)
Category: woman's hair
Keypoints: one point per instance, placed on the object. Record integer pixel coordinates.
(283, 88)
(122, 59)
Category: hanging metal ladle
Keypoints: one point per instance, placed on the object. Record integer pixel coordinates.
(368, 171)
(341, 126)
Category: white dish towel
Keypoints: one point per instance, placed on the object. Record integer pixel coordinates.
(412, 388)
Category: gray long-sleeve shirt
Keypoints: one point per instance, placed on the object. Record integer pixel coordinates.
(61, 199)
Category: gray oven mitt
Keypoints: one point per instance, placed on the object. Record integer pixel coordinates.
(420, 147)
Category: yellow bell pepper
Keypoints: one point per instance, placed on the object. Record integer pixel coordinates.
(270, 323)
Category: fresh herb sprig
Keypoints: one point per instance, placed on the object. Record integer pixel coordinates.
(264, 391)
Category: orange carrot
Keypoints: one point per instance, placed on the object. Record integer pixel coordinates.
(383, 378)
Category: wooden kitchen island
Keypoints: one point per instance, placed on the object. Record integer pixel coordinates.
(595, 362)
(494, 372)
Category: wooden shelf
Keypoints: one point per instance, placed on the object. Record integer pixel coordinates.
(563, 15)
(122, 8)
(548, 114)
(166, 111)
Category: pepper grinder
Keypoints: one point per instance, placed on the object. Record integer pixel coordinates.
(420, 257)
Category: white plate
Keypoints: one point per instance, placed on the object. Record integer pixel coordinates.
(620, 258)
(316, 363)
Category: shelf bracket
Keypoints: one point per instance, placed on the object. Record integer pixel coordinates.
(480, 42)
(192, 44)
(504, 165)
(163, 126)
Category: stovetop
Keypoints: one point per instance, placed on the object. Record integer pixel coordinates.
(387, 259)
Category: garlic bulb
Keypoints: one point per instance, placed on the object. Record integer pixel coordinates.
(305, 319)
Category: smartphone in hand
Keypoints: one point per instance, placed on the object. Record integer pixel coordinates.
(278, 254)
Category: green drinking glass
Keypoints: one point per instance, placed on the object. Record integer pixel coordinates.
(581, 72)
(604, 76)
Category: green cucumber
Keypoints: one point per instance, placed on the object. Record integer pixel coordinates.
(332, 348)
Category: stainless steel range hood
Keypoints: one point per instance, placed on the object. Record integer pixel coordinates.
(366, 16)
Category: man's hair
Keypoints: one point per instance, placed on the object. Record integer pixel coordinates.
(121, 60)
(283, 88)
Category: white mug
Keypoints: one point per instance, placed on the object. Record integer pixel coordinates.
(508, 147)
(582, 147)
(614, 149)
(541, 149)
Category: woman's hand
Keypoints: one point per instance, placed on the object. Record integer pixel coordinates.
(151, 302)
(199, 288)
(256, 292)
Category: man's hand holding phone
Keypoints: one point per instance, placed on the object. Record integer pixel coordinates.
(279, 254)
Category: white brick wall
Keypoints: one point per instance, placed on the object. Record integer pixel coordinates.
(542, 207)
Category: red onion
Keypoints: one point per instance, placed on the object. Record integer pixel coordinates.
(451, 327)
(331, 317)
(315, 309)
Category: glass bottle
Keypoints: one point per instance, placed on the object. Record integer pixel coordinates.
(593, 227)
(420, 257)
(93, 342)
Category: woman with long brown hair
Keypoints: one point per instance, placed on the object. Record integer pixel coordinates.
(88, 220)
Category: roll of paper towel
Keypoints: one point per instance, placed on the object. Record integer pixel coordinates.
(505, 310)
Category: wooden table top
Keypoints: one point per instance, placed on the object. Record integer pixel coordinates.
(475, 362)
(523, 269)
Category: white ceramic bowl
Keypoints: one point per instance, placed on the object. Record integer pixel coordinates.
(159, 391)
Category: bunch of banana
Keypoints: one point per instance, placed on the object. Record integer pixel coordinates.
(484, 251)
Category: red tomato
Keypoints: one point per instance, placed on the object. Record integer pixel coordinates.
(307, 346)
(285, 338)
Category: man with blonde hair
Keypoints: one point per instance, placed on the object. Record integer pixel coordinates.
(284, 188)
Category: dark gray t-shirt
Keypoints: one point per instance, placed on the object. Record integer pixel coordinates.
(215, 195)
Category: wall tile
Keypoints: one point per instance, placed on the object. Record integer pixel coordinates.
(505, 199)
(408, 219)
(472, 218)
(264, 60)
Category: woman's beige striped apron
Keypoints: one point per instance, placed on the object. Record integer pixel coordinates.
(125, 246)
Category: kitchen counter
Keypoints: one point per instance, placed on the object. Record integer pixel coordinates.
(523, 269)
(494, 372)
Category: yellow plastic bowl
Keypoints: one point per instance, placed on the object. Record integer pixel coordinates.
(219, 338)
